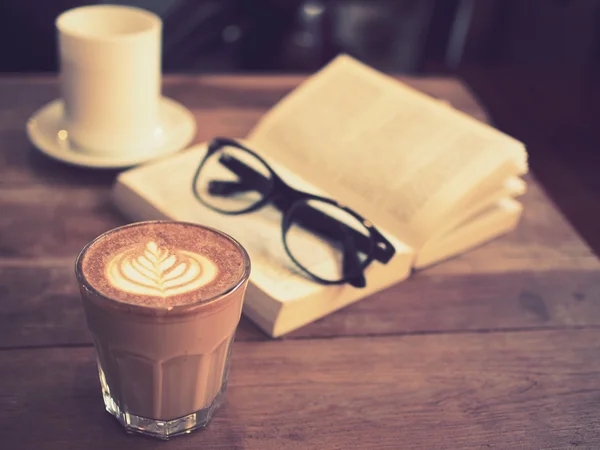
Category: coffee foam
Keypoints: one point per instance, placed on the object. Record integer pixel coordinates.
(163, 264)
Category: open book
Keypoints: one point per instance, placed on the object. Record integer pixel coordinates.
(433, 180)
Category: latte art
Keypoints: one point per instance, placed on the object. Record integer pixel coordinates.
(158, 271)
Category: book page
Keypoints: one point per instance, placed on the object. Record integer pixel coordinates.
(491, 192)
(488, 190)
(511, 188)
(397, 156)
(499, 218)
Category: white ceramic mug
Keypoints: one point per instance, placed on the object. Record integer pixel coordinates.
(110, 70)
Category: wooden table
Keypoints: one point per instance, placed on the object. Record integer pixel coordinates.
(499, 347)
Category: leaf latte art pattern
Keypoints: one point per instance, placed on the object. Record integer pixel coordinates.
(159, 272)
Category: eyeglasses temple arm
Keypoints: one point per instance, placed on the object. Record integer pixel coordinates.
(351, 265)
(222, 188)
(247, 175)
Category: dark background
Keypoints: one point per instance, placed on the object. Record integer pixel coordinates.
(301, 35)
(534, 64)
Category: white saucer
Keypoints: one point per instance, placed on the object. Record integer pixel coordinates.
(178, 127)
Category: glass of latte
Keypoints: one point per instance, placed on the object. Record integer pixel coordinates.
(162, 302)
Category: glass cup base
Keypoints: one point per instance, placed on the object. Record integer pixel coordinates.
(162, 429)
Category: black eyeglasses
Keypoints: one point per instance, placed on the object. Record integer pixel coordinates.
(328, 241)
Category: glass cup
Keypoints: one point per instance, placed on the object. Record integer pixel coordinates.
(163, 371)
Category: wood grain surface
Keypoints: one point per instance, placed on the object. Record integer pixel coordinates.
(514, 390)
(496, 348)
